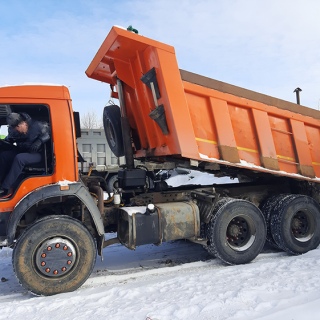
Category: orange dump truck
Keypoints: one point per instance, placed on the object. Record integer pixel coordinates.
(56, 219)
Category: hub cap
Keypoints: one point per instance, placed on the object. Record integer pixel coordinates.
(55, 257)
(111, 134)
(301, 226)
(240, 233)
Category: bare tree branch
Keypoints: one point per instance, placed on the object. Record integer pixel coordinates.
(90, 121)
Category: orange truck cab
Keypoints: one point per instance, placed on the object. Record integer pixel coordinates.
(45, 188)
(56, 218)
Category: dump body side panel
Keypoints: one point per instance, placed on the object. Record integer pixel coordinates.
(129, 56)
(214, 123)
(252, 133)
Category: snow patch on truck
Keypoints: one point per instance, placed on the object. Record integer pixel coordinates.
(131, 210)
(65, 183)
(245, 164)
(198, 178)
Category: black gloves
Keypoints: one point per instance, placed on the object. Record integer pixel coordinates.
(35, 145)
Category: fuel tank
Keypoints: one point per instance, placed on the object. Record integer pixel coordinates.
(158, 223)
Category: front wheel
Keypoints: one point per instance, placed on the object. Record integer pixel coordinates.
(237, 231)
(56, 254)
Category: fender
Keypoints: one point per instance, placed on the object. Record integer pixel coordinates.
(76, 189)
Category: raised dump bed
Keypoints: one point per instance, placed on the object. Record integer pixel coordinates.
(187, 116)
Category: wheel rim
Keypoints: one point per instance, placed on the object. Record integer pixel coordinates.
(241, 233)
(302, 226)
(115, 185)
(111, 134)
(56, 257)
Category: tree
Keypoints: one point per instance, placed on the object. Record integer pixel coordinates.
(90, 121)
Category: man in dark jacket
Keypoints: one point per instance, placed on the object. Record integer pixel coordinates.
(27, 137)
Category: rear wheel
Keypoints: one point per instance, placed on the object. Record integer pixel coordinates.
(295, 224)
(54, 255)
(237, 232)
(270, 205)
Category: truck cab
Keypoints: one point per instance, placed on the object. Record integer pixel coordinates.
(51, 104)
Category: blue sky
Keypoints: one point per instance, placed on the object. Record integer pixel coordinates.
(268, 46)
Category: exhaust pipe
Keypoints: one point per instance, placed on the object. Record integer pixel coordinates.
(297, 91)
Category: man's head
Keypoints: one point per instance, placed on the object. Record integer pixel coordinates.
(17, 122)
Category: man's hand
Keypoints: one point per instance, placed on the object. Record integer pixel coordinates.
(35, 145)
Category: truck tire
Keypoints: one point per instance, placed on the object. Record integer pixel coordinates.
(54, 255)
(295, 224)
(267, 207)
(236, 232)
(112, 129)
(112, 183)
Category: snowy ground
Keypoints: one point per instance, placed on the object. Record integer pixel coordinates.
(176, 281)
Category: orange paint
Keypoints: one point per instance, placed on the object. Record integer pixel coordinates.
(57, 100)
(207, 123)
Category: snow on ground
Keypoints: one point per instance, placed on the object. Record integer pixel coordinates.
(177, 280)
